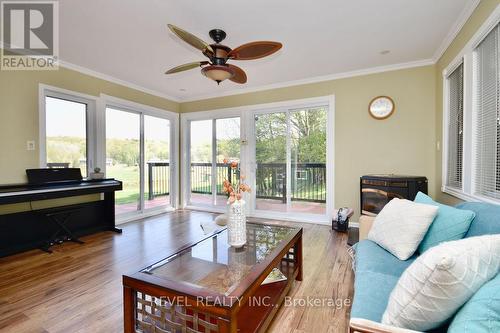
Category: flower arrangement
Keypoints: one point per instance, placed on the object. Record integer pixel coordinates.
(235, 189)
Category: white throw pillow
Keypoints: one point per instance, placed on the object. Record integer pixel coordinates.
(440, 281)
(401, 225)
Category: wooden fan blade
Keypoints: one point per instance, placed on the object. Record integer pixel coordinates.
(254, 50)
(239, 75)
(186, 67)
(191, 39)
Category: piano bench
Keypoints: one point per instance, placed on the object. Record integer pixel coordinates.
(59, 217)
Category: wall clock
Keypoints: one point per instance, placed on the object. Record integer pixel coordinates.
(381, 107)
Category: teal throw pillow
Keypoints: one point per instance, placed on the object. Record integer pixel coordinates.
(481, 313)
(449, 224)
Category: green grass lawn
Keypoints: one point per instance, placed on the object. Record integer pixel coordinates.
(129, 175)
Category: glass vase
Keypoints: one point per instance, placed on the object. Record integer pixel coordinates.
(237, 224)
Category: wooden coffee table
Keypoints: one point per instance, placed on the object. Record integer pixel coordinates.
(210, 287)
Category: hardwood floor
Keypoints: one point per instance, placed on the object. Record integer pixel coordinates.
(78, 287)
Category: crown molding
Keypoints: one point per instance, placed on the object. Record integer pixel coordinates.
(331, 77)
(109, 78)
(455, 30)
(459, 24)
(113, 79)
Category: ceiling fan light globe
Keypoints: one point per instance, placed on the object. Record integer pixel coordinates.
(218, 73)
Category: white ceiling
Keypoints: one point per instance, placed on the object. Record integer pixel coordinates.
(129, 40)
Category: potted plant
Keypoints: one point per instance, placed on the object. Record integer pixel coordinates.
(97, 174)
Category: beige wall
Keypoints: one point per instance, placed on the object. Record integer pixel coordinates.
(19, 112)
(404, 143)
(482, 12)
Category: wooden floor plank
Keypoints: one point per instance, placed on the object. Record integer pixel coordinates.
(78, 287)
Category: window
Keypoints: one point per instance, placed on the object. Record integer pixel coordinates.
(285, 150)
(455, 127)
(131, 142)
(140, 150)
(64, 137)
(487, 128)
(123, 157)
(289, 151)
(471, 154)
(212, 141)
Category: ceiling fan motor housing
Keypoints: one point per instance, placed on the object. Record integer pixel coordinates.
(217, 35)
(219, 57)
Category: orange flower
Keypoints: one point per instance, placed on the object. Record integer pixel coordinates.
(234, 164)
(244, 188)
(225, 161)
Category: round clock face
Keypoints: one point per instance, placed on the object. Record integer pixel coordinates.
(381, 107)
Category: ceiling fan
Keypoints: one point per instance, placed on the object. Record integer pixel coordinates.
(217, 68)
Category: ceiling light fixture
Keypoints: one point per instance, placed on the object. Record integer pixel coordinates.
(218, 73)
(384, 52)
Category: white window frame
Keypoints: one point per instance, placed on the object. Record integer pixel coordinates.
(186, 119)
(96, 134)
(91, 102)
(446, 124)
(467, 57)
(246, 114)
(106, 101)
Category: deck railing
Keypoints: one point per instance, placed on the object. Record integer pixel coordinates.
(158, 179)
(307, 184)
(201, 177)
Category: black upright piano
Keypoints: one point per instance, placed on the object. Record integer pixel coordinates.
(43, 227)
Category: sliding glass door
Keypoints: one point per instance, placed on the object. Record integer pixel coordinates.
(227, 149)
(290, 161)
(213, 143)
(270, 157)
(200, 153)
(123, 148)
(285, 151)
(308, 160)
(138, 152)
(157, 166)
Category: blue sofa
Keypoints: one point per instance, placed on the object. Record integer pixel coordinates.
(377, 272)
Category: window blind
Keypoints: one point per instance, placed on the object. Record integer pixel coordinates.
(487, 129)
(455, 127)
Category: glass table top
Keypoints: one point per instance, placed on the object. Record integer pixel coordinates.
(213, 264)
